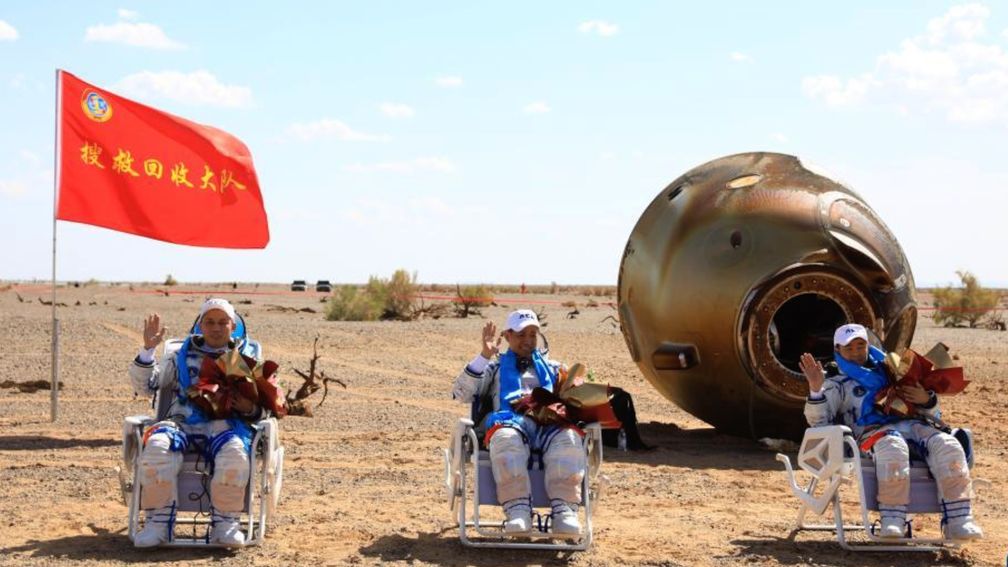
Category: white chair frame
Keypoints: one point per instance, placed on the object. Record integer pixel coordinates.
(261, 495)
(466, 467)
(822, 455)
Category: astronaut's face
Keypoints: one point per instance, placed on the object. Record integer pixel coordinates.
(855, 351)
(522, 342)
(217, 328)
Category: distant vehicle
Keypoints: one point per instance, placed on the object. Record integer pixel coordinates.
(323, 285)
(299, 285)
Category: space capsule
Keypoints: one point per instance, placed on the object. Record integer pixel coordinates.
(738, 267)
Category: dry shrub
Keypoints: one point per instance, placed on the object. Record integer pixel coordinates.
(169, 280)
(393, 298)
(968, 304)
(569, 304)
(471, 299)
(399, 295)
(591, 303)
(350, 303)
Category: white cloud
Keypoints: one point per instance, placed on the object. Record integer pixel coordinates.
(7, 32)
(12, 188)
(198, 88)
(417, 165)
(537, 107)
(950, 69)
(137, 34)
(778, 137)
(128, 15)
(963, 23)
(835, 91)
(448, 81)
(739, 57)
(600, 27)
(328, 128)
(396, 110)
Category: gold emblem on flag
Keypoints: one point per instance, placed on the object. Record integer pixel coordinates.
(96, 107)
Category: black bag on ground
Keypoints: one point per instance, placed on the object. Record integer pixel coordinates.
(622, 405)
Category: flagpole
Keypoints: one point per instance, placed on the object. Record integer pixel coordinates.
(54, 387)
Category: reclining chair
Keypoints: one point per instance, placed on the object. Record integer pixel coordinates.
(468, 475)
(831, 456)
(192, 522)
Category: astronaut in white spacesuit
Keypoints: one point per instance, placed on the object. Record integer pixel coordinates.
(225, 442)
(850, 398)
(514, 439)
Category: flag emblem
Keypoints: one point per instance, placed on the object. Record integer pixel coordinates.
(96, 107)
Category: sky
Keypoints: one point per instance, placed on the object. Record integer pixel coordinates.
(520, 141)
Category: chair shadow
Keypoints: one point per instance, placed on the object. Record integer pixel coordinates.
(788, 551)
(102, 544)
(702, 448)
(37, 443)
(444, 548)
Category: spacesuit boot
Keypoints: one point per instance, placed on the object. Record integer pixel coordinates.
(226, 531)
(157, 527)
(519, 516)
(893, 521)
(957, 519)
(565, 518)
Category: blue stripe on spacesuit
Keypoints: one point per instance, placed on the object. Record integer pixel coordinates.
(509, 383)
(179, 440)
(238, 429)
(873, 380)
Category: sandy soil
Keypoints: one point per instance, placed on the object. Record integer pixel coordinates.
(362, 482)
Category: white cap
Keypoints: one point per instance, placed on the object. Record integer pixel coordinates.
(847, 333)
(221, 304)
(522, 318)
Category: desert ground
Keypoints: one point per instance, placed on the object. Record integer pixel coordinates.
(363, 477)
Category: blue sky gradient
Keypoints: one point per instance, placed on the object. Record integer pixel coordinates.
(520, 141)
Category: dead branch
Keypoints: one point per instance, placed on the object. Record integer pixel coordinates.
(314, 380)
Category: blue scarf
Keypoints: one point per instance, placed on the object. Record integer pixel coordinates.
(509, 379)
(872, 379)
(238, 427)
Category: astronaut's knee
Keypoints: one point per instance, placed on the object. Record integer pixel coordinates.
(509, 463)
(947, 461)
(231, 465)
(565, 466)
(159, 468)
(892, 468)
(230, 479)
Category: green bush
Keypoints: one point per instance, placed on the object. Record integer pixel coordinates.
(471, 299)
(350, 303)
(393, 298)
(169, 280)
(967, 304)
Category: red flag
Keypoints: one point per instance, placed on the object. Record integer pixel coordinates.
(129, 167)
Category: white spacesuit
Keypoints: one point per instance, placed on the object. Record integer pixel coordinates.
(225, 442)
(516, 439)
(849, 399)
